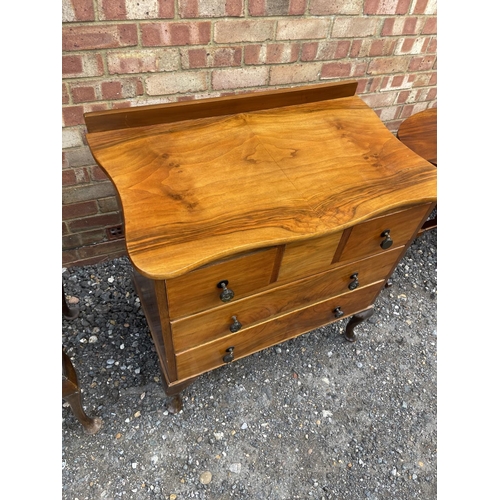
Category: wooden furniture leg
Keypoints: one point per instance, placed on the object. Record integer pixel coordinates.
(71, 393)
(355, 321)
(68, 312)
(70, 388)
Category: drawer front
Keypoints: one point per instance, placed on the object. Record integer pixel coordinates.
(209, 356)
(197, 290)
(367, 238)
(305, 258)
(204, 327)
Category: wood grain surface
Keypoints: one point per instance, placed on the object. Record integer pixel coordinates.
(198, 190)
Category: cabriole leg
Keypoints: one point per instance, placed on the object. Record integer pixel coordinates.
(355, 321)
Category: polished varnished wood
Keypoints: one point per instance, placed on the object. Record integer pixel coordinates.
(198, 290)
(100, 121)
(209, 356)
(366, 238)
(419, 133)
(254, 179)
(71, 393)
(305, 258)
(214, 323)
(282, 197)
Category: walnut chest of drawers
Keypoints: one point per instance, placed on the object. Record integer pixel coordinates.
(253, 219)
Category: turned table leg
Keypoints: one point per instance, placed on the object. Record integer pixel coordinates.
(72, 395)
(355, 321)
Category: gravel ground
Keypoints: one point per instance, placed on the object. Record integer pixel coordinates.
(313, 418)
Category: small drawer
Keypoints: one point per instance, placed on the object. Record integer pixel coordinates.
(238, 345)
(305, 258)
(190, 331)
(202, 288)
(383, 233)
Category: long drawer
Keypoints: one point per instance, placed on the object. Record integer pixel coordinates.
(209, 356)
(209, 325)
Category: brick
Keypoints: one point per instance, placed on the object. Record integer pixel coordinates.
(98, 37)
(72, 241)
(402, 26)
(336, 70)
(72, 115)
(90, 192)
(110, 10)
(209, 57)
(80, 157)
(381, 7)
(426, 7)
(273, 53)
(302, 29)
(257, 7)
(108, 205)
(383, 65)
(234, 78)
(84, 93)
(68, 177)
(235, 31)
(71, 138)
(210, 8)
(143, 9)
(338, 7)
(359, 69)
(143, 61)
(77, 210)
(277, 7)
(176, 82)
(98, 174)
(309, 51)
(229, 56)
(354, 27)
(432, 45)
(297, 7)
(111, 90)
(422, 63)
(399, 82)
(255, 54)
(282, 53)
(338, 49)
(173, 33)
(65, 94)
(380, 99)
(294, 73)
(411, 46)
(94, 222)
(82, 65)
(94, 254)
(430, 26)
(382, 47)
(77, 10)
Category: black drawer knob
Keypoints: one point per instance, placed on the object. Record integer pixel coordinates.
(338, 312)
(227, 294)
(354, 283)
(235, 325)
(229, 356)
(387, 242)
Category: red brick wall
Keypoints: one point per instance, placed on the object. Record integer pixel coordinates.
(119, 53)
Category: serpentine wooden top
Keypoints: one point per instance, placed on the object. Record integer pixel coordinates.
(196, 190)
